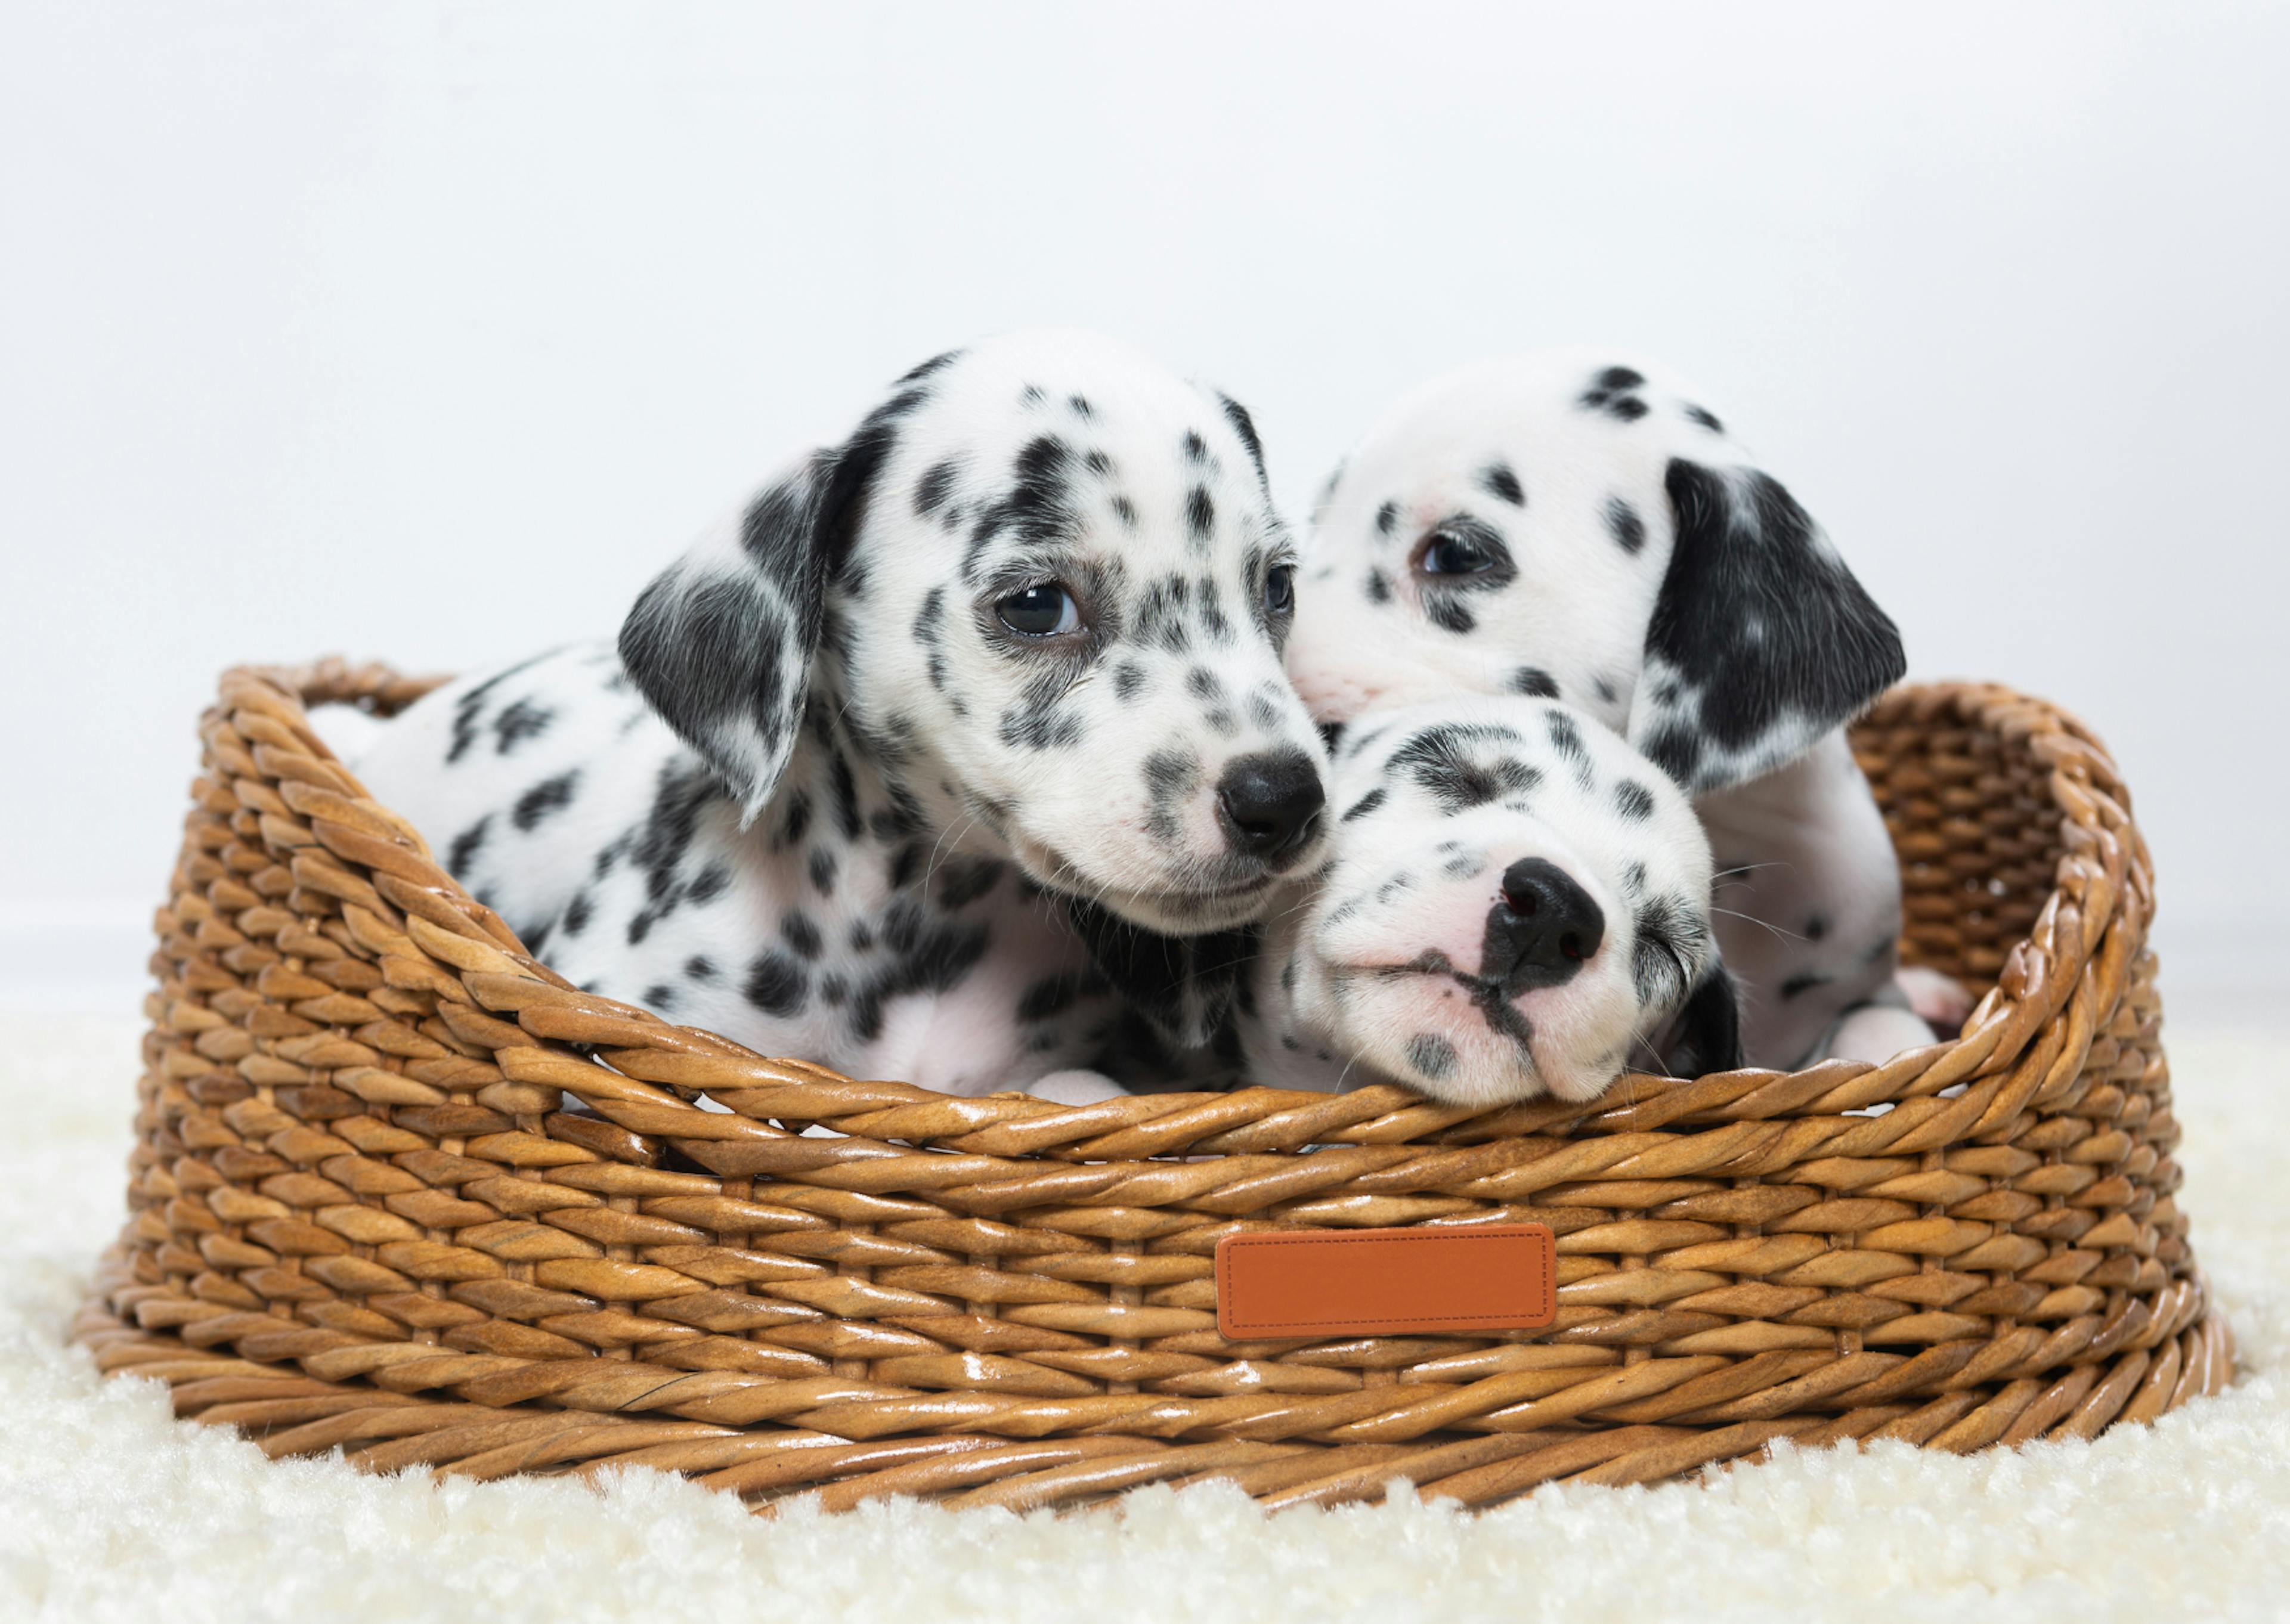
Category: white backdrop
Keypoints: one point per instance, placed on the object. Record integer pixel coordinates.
(429, 331)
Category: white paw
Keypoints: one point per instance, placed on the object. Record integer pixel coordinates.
(1876, 1033)
(1076, 1087)
(1940, 999)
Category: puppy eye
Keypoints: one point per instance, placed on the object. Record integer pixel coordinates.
(1447, 553)
(1280, 590)
(1045, 611)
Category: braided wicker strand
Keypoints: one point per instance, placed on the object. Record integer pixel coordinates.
(402, 1191)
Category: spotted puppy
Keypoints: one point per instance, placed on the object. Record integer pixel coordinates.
(1565, 527)
(1514, 903)
(1006, 656)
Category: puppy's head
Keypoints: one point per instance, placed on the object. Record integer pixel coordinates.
(1043, 586)
(1567, 526)
(1516, 902)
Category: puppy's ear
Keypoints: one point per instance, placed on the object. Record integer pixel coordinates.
(721, 644)
(1706, 1035)
(1761, 640)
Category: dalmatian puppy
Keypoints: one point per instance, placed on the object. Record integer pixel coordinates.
(1514, 903)
(993, 680)
(1568, 526)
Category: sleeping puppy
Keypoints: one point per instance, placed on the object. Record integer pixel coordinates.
(1567, 526)
(1001, 668)
(1514, 903)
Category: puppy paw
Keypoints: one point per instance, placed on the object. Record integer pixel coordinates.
(1876, 1033)
(1076, 1087)
(1940, 999)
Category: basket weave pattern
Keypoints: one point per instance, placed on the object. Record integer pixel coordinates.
(401, 1190)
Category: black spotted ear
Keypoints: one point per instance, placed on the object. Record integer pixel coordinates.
(1761, 640)
(721, 644)
(1706, 1035)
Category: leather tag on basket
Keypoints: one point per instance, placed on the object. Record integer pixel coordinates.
(1386, 1282)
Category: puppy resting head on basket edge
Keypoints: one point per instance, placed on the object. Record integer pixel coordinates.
(1563, 525)
(1517, 902)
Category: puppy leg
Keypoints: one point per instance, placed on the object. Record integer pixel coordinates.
(1076, 1087)
(1876, 1032)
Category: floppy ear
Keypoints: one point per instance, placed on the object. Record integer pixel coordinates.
(1761, 640)
(721, 644)
(1705, 1035)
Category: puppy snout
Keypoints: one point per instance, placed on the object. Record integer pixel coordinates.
(1269, 803)
(1541, 929)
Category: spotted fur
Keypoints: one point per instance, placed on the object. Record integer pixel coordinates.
(1635, 563)
(851, 786)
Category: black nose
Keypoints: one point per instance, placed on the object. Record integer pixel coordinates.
(1542, 928)
(1271, 803)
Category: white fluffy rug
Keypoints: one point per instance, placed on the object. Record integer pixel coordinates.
(111, 1509)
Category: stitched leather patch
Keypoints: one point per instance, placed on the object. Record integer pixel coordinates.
(1386, 1282)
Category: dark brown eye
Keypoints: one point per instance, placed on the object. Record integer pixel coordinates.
(1045, 611)
(1280, 590)
(1447, 552)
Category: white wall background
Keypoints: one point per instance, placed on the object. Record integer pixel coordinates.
(428, 330)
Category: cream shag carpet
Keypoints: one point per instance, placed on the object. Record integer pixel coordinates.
(109, 1509)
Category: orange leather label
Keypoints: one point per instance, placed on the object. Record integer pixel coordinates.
(1386, 1282)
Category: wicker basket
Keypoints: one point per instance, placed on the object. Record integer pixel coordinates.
(363, 1217)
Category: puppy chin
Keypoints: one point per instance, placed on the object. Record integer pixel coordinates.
(1161, 906)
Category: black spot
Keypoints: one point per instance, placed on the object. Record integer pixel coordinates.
(1031, 396)
(905, 863)
(1804, 981)
(1633, 800)
(794, 822)
(1379, 587)
(846, 793)
(519, 722)
(1708, 420)
(822, 871)
(464, 849)
(659, 998)
(470, 707)
(714, 881)
(1441, 760)
(1196, 449)
(1080, 406)
(1365, 805)
(577, 914)
(833, 990)
(1432, 1056)
(1628, 529)
(1609, 393)
(1050, 996)
(932, 490)
(1128, 678)
(1534, 682)
(1816, 927)
(934, 364)
(776, 985)
(1448, 613)
(1202, 684)
(1386, 516)
(700, 967)
(1499, 479)
(1244, 426)
(543, 800)
(1200, 514)
(1125, 511)
(963, 880)
(800, 933)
